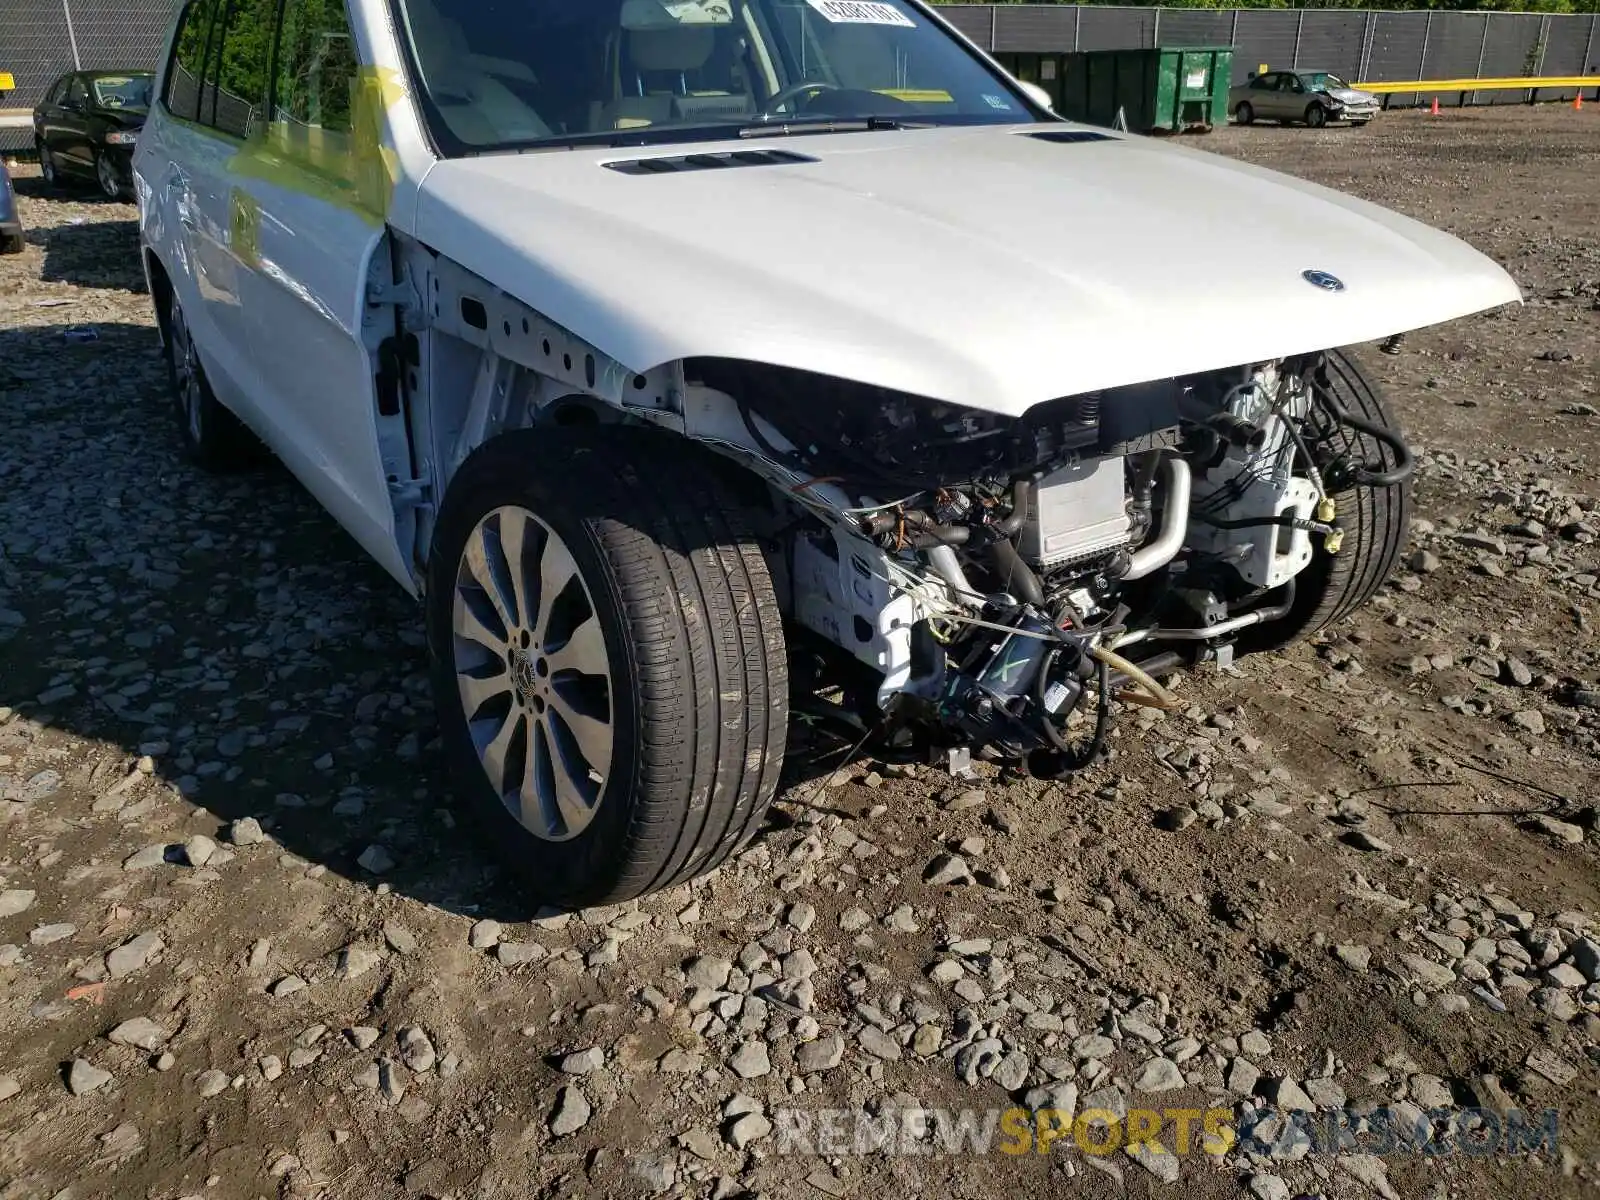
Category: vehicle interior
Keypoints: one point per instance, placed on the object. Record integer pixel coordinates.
(508, 71)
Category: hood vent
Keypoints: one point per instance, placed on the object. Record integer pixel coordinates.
(708, 162)
(1070, 136)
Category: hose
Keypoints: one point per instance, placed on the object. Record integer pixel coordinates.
(1074, 758)
(1153, 696)
(1404, 465)
(1021, 495)
(1015, 575)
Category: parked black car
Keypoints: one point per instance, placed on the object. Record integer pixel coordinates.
(86, 125)
(10, 220)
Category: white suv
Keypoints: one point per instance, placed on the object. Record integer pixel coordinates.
(678, 353)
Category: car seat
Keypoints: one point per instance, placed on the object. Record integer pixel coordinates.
(477, 107)
(652, 65)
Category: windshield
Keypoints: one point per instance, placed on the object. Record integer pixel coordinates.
(122, 91)
(1321, 81)
(503, 73)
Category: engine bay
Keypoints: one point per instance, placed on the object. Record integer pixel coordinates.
(999, 581)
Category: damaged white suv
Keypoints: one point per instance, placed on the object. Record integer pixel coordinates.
(684, 355)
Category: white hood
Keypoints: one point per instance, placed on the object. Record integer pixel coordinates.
(973, 265)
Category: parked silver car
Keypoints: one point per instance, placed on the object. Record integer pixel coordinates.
(1315, 97)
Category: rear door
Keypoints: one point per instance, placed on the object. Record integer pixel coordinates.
(71, 141)
(309, 196)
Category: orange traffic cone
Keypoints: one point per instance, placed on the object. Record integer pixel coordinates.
(1577, 102)
(1435, 109)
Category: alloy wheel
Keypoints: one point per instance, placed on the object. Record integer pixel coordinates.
(186, 374)
(106, 172)
(533, 673)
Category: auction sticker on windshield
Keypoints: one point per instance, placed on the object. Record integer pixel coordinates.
(861, 12)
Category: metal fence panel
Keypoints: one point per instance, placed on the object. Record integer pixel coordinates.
(1397, 45)
(1266, 35)
(1116, 28)
(1330, 40)
(1035, 27)
(974, 20)
(1512, 48)
(1566, 51)
(1196, 27)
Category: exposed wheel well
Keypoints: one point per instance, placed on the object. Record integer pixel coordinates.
(160, 291)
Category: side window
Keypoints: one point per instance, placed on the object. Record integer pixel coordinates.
(317, 68)
(1265, 82)
(182, 96)
(58, 91)
(77, 93)
(243, 62)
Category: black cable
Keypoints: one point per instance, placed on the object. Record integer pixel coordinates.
(1072, 758)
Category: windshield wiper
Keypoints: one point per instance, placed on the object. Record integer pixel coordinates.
(786, 127)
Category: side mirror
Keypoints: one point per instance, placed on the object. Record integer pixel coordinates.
(1038, 95)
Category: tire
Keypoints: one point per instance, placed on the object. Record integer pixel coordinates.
(694, 671)
(105, 174)
(48, 170)
(1245, 113)
(1375, 521)
(213, 438)
(1316, 116)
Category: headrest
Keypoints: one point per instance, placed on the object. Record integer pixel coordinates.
(679, 48)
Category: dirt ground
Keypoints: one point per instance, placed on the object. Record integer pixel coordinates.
(1356, 877)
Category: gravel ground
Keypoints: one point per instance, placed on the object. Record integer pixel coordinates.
(245, 950)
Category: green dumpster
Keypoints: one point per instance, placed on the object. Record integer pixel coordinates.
(1169, 88)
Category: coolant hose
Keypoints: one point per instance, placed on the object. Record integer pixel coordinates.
(1153, 696)
(1015, 575)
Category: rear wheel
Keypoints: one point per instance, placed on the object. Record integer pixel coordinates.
(1316, 116)
(212, 436)
(608, 660)
(1245, 113)
(1374, 519)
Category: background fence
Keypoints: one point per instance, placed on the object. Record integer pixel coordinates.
(39, 39)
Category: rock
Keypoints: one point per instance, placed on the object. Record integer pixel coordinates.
(1325, 1093)
(14, 901)
(515, 954)
(655, 1173)
(1530, 719)
(927, 1041)
(972, 798)
(1061, 1097)
(271, 1066)
(1560, 830)
(801, 916)
(1159, 1075)
(1362, 840)
(824, 1054)
(1357, 958)
(581, 1062)
(1424, 562)
(84, 1077)
(391, 1082)
(750, 1060)
(376, 860)
(902, 919)
(355, 961)
(1551, 1066)
(484, 934)
(1517, 672)
(1430, 975)
(1011, 1072)
(701, 1143)
(362, 1036)
(947, 869)
(707, 972)
(1155, 1158)
(1268, 1187)
(743, 1130)
(1585, 955)
(246, 831)
(1429, 1091)
(141, 1032)
(853, 920)
(1242, 1077)
(1255, 1043)
(1368, 1169)
(1093, 1045)
(197, 850)
(133, 954)
(45, 935)
(946, 971)
(287, 986)
(416, 1049)
(1565, 975)
(1176, 820)
(211, 1083)
(1288, 1095)
(399, 939)
(9, 1087)
(150, 856)
(878, 1043)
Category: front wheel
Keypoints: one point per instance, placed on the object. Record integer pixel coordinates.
(1245, 113)
(47, 166)
(105, 174)
(1374, 518)
(608, 660)
(1316, 116)
(213, 438)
